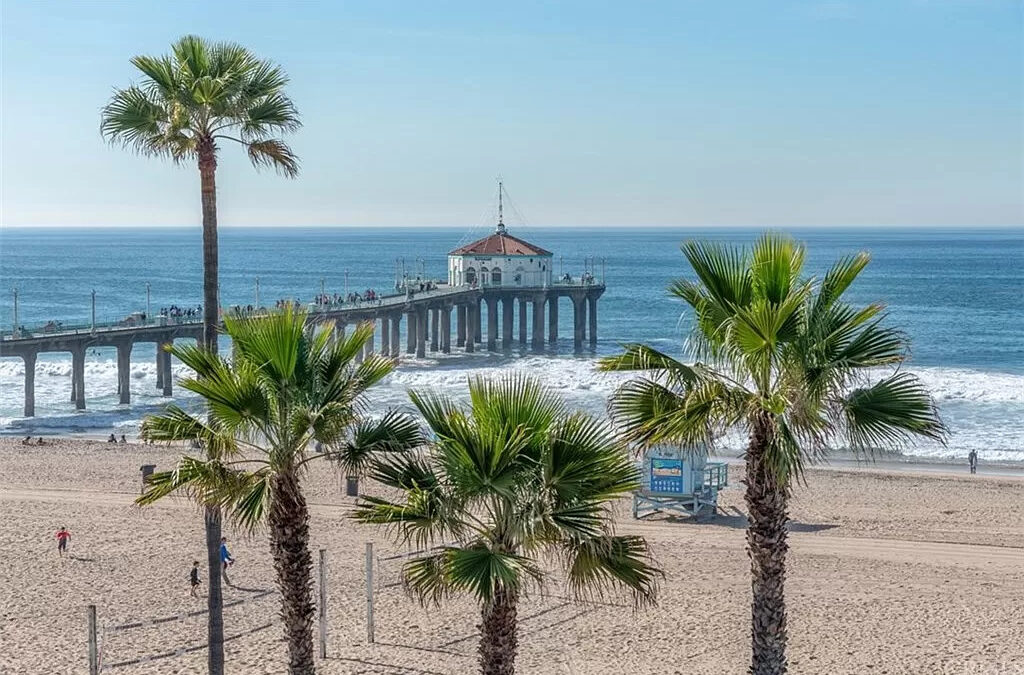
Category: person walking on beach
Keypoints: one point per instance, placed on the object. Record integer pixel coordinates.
(972, 459)
(225, 559)
(63, 536)
(193, 578)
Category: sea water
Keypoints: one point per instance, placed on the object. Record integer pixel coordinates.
(958, 294)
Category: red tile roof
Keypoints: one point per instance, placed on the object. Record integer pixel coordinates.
(500, 243)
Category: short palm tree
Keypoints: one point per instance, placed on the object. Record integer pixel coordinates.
(510, 479)
(184, 107)
(289, 385)
(789, 362)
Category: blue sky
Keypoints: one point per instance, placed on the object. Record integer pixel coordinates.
(646, 113)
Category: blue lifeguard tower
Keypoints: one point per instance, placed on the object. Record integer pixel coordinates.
(679, 480)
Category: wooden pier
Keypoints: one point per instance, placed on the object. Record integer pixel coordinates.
(484, 319)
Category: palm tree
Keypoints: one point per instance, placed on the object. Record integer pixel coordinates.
(789, 362)
(289, 385)
(185, 105)
(512, 478)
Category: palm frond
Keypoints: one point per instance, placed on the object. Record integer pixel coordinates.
(838, 278)
(636, 357)
(724, 271)
(890, 412)
(394, 432)
(207, 482)
(274, 154)
(175, 424)
(482, 571)
(600, 564)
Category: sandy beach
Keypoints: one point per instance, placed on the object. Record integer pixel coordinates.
(890, 572)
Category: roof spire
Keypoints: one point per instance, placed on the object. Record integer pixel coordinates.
(501, 220)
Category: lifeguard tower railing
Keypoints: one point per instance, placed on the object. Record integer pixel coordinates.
(685, 485)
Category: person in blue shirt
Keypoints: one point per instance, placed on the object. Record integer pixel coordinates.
(225, 559)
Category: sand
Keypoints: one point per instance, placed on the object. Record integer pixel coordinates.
(897, 572)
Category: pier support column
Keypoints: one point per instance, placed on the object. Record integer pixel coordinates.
(553, 319)
(78, 377)
(522, 321)
(74, 378)
(30, 383)
(538, 324)
(396, 333)
(492, 324)
(159, 369)
(385, 337)
(435, 314)
(339, 330)
(168, 388)
(472, 321)
(124, 372)
(592, 316)
(460, 326)
(410, 332)
(421, 333)
(579, 316)
(478, 322)
(507, 312)
(368, 345)
(446, 330)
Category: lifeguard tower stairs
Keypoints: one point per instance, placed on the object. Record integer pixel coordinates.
(679, 480)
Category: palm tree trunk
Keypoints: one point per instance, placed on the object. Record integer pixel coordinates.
(214, 599)
(498, 644)
(767, 503)
(289, 544)
(208, 181)
(211, 324)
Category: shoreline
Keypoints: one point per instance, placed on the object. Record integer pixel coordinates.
(840, 461)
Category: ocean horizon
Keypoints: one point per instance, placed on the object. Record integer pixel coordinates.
(957, 292)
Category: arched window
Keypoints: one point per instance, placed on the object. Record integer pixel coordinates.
(519, 276)
(484, 277)
(470, 276)
(496, 276)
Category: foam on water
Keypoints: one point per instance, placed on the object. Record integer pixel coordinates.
(984, 411)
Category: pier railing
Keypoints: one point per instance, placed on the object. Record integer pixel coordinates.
(108, 324)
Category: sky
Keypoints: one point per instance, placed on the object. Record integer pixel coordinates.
(681, 113)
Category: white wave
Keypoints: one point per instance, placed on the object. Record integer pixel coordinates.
(984, 410)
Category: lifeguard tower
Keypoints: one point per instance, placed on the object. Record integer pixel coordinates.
(679, 480)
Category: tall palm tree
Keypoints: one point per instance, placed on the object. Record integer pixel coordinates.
(187, 104)
(786, 360)
(510, 479)
(289, 385)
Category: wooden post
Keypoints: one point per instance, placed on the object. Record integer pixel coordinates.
(369, 592)
(323, 603)
(94, 654)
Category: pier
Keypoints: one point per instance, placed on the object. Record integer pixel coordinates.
(484, 319)
(492, 283)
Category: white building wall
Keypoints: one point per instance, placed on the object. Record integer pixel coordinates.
(516, 270)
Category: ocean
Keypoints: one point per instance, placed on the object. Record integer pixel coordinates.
(959, 295)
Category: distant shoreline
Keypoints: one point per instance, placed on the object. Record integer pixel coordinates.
(839, 461)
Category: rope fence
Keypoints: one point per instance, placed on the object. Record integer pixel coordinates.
(112, 641)
(105, 636)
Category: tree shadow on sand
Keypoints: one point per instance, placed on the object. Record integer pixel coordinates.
(739, 522)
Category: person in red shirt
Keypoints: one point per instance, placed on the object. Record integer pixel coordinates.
(63, 536)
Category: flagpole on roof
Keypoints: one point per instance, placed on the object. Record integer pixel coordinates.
(501, 219)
